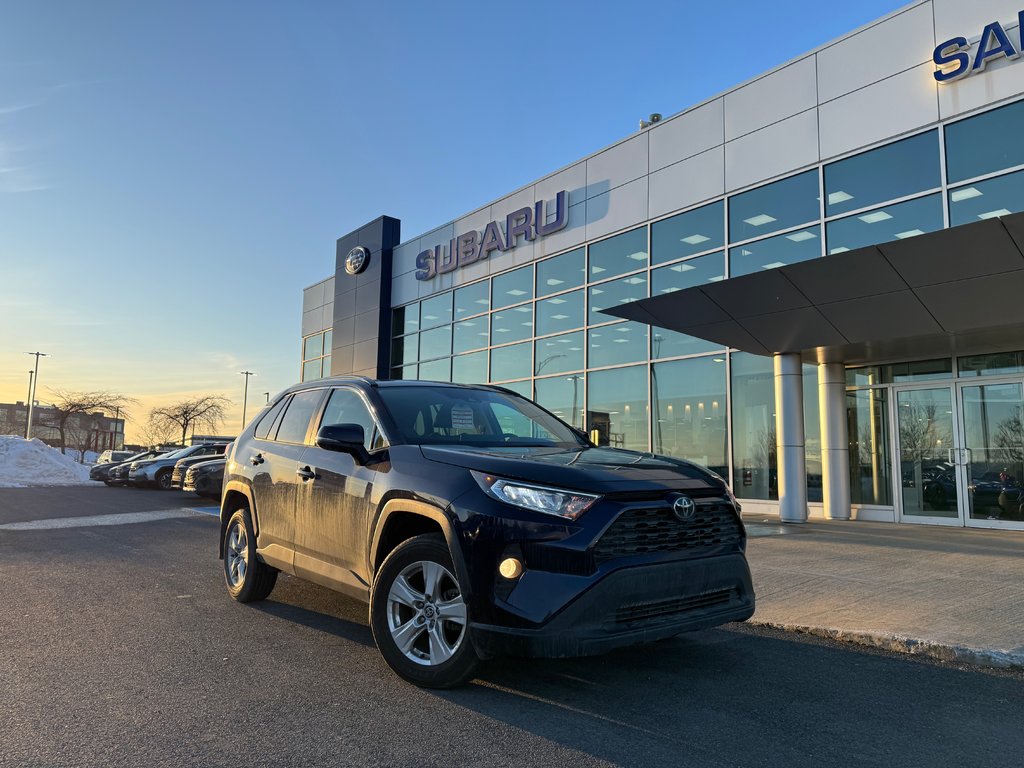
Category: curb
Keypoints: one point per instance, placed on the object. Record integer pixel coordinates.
(981, 657)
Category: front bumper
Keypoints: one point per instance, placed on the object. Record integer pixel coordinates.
(633, 605)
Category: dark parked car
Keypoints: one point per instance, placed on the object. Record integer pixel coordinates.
(205, 478)
(156, 472)
(476, 523)
(108, 459)
(181, 467)
(117, 474)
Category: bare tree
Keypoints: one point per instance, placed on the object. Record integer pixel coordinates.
(155, 432)
(206, 411)
(69, 407)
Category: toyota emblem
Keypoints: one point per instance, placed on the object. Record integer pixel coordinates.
(683, 508)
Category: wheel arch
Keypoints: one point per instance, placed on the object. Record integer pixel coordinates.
(236, 495)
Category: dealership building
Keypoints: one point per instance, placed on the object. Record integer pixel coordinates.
(812, 284)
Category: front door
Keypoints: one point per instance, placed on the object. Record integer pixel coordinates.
(993, 453)
(929, 478)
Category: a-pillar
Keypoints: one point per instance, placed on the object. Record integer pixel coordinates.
(789, 438)
(835, 445)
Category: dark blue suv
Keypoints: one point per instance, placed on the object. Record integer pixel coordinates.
(476, 523)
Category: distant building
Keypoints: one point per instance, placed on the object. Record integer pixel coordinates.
(201, 439)
(85, 431)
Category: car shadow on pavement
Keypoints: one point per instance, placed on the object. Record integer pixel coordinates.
(334, 613)
(732, 697)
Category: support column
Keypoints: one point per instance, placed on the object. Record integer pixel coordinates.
(835, 444)
(789, 438)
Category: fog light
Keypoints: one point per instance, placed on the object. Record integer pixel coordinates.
(510, 568)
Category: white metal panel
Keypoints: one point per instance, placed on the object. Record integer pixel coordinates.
(689, 134)
(881, 111)
(404, 288)
(781, 94)
(572, 179)
(439, 236)
(688, 182)
(620, 208)
(312, 297)
(312, 321)
(1002, 79)
(403, 257)
(436, 284)
(574, 233)
(892, 46)
(617, 166)
(957, 18)
(523, 252)
(781, 147)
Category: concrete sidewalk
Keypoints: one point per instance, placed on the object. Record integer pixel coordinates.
(951, 593)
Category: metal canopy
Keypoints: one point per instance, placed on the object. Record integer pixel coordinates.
(955, 291)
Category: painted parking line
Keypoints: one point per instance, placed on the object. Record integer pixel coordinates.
(89, 521)
(211, 511)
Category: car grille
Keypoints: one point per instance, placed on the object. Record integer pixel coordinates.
(665, 609)
(655, 529)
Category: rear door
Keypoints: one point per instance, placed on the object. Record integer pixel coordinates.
(275, 460)
(335, 505)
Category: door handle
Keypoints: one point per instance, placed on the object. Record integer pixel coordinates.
(256, 458)
(306, 473)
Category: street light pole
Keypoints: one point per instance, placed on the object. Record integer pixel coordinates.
(32, 394)
(28, 401)
(245, 396)
(268, 397)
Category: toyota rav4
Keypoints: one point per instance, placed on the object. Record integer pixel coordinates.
(474, 523)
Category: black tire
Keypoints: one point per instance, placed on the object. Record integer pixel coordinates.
(254, 579)
(163, 480)
(108, 484)
(459, 667)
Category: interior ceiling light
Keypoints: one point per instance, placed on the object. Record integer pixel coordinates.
(840, 249)
(773, 265)
(694, 239)
(760, 220)
(638, 256)
(874, 218)
(554, 281)
(516, 292)
(839, 197)
(994, 214)
(964, 194)
(799, 237)
(684, 267)
(909, 233)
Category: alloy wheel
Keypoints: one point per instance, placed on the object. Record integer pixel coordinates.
(237, 554)
(426, 613)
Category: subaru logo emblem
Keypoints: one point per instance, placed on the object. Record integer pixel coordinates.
(683, 508)
(357, 260)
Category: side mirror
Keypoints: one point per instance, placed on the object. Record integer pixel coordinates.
(344, 438)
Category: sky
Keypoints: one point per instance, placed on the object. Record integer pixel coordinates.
(173, 174)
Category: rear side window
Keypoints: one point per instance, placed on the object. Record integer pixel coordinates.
(347, 407)
(263, 428)
(301, 409)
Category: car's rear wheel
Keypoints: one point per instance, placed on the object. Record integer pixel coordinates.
(419, 618)
(247, 578)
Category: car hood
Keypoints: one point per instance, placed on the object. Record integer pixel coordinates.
(602, 470)
(209, 464)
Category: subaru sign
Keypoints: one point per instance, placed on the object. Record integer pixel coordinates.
(954, 59)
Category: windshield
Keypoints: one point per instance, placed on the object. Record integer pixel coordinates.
(463, 416)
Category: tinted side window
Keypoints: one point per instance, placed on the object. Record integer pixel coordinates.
(346, 407)
(301, 409)
(263, 428)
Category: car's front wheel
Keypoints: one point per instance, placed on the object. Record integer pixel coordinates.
(248, 579)
(419, 618)
(163, 480)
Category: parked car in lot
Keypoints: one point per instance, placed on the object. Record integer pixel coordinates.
(476, 523)
(113, 457)
(156, 472)
(205, 478)
(105, 472)
(181, 466)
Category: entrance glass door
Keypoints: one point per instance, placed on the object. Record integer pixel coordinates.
(927, 447)
(993, 418)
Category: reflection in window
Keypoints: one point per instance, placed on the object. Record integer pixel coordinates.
(666, 343)
(999, 364)
(982, 200)
(892, 222)
(405, 349)
(312, 369)
(472, 299)
(523, 388)
(755, 469)
(613, 293)
(775, 252)
(328, 341)
(563, 396)
(889, 172)
(405, 319)
(985, 143)
(436, 343)
(313, 346)
(812, 434)
(617, 407)
(868, 426)
(687, 274)
(688, 400)
(557, 354)
(436, 311)
(512, 287)
(617, 344)
(688, 233)
(623, 253)
(560, 313)
(512, 362)
(327, 366)
(469, 334)
(514, 324)
(470, 369)
(437, 370)
(561, 273)
(780, 205)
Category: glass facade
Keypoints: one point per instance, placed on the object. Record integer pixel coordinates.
(316, 356)
(540, 329)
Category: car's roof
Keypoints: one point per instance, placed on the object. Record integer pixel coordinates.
(386, 383)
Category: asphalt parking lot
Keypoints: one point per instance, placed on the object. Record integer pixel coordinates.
(119, 646)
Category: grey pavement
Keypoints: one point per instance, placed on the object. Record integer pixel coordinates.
(952, 593)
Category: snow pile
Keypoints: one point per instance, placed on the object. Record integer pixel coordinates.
(32, 462)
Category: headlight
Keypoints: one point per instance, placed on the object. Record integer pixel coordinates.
(538, 498)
